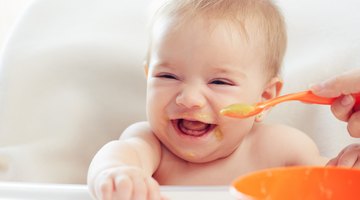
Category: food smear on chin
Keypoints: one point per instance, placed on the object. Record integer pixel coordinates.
(218, 134)
(190, 155)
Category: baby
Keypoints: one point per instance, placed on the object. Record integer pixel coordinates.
(204, 55)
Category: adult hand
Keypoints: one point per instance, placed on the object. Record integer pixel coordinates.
(348, 157)
(342, 86)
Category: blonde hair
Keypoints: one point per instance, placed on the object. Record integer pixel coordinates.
(264, 14)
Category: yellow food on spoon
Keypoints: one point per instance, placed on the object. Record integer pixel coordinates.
(237, 110)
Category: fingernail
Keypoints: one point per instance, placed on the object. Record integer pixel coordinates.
(347, 100)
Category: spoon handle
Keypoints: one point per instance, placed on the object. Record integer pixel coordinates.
(305, 97)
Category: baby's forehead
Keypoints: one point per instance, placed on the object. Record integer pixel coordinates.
(247, 35)
(258, 22)
(248, 28)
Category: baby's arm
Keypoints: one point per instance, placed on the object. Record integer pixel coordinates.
(123, 169)
(348, 157)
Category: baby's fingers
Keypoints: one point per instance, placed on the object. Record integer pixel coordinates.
(123, 188)
(153, 189)
(140, 190)
(104, 189)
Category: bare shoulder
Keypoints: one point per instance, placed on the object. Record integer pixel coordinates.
(140, 133)
(138, 129)
(290, 145)
(280, 133)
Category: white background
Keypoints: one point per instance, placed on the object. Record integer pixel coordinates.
(9, 11)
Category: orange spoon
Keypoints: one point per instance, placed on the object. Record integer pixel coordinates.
(245, 110)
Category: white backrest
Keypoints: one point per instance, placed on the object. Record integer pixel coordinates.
(73, 79)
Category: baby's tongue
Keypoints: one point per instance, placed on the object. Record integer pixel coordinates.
(193, 127)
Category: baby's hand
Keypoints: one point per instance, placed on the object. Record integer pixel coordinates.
(126, 183)
(348, 157)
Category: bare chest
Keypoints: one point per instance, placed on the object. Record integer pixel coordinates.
(174, 171)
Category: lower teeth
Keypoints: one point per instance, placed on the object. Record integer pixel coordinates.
(192, 132)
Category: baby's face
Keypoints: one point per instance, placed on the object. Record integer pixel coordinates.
(194, 72)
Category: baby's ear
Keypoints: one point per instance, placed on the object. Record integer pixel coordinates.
(272, 88)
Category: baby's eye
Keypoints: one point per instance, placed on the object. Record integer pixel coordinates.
(166, 75)
(221, 82)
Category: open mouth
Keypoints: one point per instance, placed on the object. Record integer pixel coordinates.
(192, 128)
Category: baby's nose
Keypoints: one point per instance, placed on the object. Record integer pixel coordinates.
(191, 97)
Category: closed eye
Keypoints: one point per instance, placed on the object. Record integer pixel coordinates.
(221, 82)
(166, 76)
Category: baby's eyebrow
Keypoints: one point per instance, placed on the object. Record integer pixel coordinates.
(162, 64)
(229, 70)
(164, 67)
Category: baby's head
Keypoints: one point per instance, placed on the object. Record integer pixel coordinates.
(205, 55)
(258, 21)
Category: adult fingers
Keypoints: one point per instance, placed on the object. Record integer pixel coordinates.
(354, 124)
(342, 107)
(346, 83)
(357, 164)
(348, 160)
(333, 162)
(349, 157)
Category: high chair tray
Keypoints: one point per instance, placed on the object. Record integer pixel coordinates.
(35, 191)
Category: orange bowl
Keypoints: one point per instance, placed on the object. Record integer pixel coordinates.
(299, 183)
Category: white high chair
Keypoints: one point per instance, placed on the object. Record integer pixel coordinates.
(73, 80)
